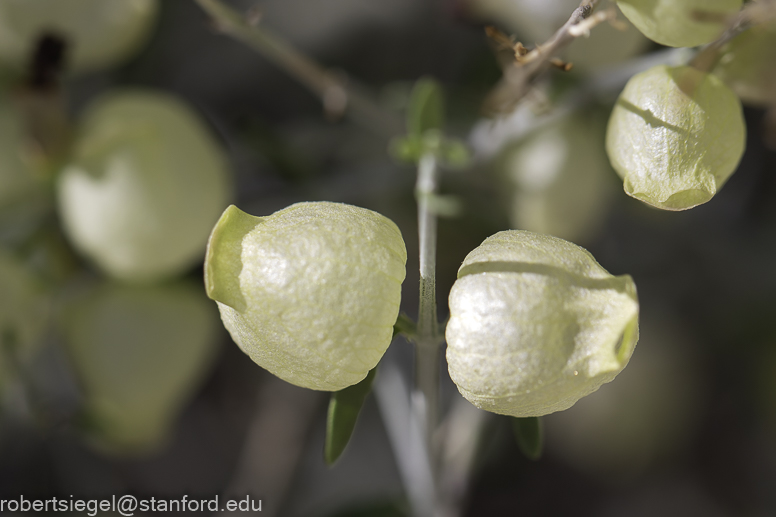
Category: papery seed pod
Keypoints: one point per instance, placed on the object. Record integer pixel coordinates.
(680, 23)
(138, 353)
(558, 180)
(146, 183)
(97, 32)
(311, 292)
(748, 65)
(675, 136)
(536, 324)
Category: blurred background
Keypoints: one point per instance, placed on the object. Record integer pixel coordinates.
(112, 384)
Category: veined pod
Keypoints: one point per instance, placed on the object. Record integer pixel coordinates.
(98, 32)
(675, 136)
(311, 292)
(536, 324)
(145, 185)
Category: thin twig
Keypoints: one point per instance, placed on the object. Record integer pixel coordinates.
(338, 97)
(489, 136)
(406, 437)
(519, 76)
(427, 342)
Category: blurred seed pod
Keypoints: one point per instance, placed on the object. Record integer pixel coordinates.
(99, 33)
(675, 136)
(146, 183)
(139, 352)
(626, 428)
(680, 23)
(24, 314)
(558, 181)
(310, 293)
(536, 324)
(748, 65)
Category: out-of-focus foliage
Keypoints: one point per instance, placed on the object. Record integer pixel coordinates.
(747, 65)
(98, 32)
(558, 180)
(24, 311)
(649, 416)
(138, 352)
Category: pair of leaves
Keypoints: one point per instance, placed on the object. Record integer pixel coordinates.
(425, 121)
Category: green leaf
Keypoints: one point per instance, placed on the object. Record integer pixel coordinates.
(529, 433)
(454, 153)
(344, 407)
(407, 148)
(426, 108)
(404, 325)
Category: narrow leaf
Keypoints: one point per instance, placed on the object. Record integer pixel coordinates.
(530, 436)
(404, 325)
(426, 107)
(344, 407)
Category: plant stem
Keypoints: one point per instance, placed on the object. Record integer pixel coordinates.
(520, 75)
(338, 97)
(427, 341)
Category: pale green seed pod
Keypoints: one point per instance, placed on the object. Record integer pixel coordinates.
(675, 136)
(310, 293)
(558, 179)
(680, 23)
(748, 65)
(98, 32)
(536, 324)
(146, 183)
(138, 352)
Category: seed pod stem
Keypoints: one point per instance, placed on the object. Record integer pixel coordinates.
(427, 341)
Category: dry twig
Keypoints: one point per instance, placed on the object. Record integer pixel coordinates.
(338, 97)
(527, 67)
